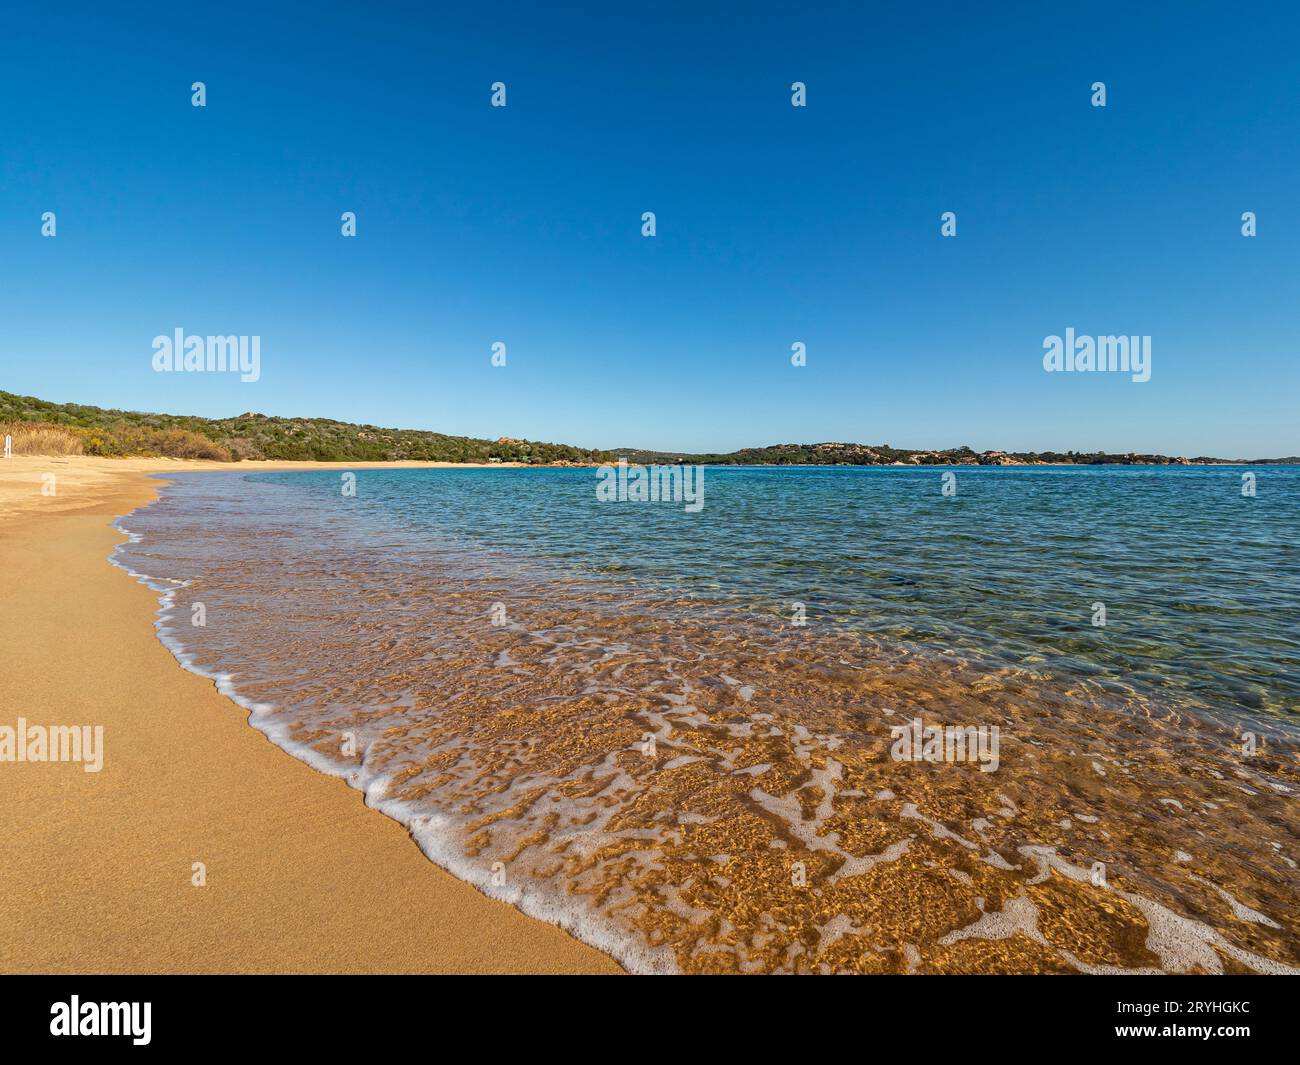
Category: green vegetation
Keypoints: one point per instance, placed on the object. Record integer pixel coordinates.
(833, 454)
(256, 436)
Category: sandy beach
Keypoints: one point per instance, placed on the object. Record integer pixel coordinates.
(96, 868)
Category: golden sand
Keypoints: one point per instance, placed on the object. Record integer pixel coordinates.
(96, 868)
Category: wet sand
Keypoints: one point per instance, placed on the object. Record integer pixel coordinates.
(96, 868)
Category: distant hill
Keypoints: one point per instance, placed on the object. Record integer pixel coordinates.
(836, 454)
(257, 436)
(97, 431)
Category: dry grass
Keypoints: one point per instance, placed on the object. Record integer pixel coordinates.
(123, 438)
(116, 441)
(35, 438)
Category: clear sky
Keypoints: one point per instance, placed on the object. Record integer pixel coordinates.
(775, 224)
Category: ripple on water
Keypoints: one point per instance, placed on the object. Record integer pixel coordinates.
(697, 785)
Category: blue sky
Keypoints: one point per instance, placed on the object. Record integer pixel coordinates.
(775, 224)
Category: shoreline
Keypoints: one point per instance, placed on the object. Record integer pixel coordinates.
(65, 611)
(21, 476)
(301, 876)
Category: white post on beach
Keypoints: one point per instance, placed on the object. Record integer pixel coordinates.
(9, 446)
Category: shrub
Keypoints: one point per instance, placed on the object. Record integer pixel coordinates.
(36, 438)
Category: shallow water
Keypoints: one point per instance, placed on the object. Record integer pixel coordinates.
(671, 731)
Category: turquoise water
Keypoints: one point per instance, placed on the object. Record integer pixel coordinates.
(1200, 584)
(634, 720)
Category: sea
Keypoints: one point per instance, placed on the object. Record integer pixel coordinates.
(837, 719)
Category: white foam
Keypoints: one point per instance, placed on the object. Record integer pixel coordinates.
(1181, 943)
(430, 832)
(1239, 910)
(1017, 916)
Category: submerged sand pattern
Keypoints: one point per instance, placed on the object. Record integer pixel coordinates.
(698, 788)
